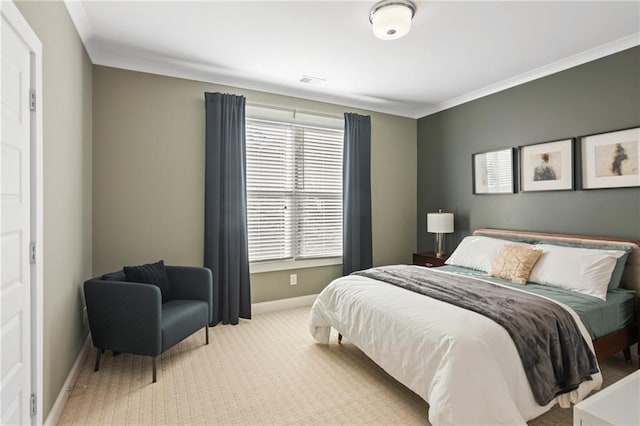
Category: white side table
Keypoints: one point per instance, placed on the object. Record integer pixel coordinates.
(618, 404)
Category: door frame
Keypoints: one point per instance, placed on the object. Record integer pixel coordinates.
(28, 36)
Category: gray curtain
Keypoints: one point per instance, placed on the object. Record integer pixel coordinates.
(225, 207)
(357, 253)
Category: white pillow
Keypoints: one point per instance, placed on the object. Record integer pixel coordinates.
(477, 252)
(583, 270)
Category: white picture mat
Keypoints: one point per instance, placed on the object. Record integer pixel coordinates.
(480, 170)
(565, 166)
(589, 145)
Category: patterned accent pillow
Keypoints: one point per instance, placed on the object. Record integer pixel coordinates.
(515, 263)
(151, 273)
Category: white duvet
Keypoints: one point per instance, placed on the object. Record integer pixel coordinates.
(462, 363)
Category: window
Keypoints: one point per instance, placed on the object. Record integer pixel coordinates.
(294, 190)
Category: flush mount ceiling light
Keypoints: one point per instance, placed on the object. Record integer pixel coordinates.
(391, 19)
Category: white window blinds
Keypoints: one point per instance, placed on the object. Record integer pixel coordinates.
(294, 190)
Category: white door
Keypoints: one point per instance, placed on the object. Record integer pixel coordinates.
(15, 234)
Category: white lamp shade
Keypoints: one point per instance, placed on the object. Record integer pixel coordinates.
(440, 223)
(392, 21)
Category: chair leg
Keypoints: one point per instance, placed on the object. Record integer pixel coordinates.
(98, 353)
(153, 363)
(339, 338)
(627, 354)
(206, 331)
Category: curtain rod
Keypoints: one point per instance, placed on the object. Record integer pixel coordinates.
(295, 110)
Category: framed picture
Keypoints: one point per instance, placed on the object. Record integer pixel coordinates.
(493, 172)
(547, 166)
(610, 160)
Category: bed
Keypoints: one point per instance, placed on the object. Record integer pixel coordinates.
(462, 363)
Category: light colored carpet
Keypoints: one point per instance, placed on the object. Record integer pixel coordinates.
(264, 371)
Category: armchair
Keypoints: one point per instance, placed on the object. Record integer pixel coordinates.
(130, 317)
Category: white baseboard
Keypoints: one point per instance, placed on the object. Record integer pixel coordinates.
(56, 411)
(282, 304)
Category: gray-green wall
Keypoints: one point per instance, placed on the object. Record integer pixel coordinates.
(67, 121)
(595, 97)
(148, 180)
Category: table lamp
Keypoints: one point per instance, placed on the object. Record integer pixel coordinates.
(440, 223)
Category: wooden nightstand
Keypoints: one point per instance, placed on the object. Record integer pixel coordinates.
(428, 259)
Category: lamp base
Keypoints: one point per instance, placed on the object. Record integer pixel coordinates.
(439, 245)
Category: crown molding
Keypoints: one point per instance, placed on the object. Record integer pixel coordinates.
(555, 67)
(79, 18)
(202, 74)
(161, 66)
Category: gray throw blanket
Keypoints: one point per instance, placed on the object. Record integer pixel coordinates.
(555, 357)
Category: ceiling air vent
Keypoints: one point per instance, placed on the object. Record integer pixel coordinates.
(311, 80)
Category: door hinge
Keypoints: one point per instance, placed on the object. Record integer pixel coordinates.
(32, 253)
(32, 100)
(34, 404)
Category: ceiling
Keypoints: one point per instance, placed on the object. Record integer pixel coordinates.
(455, 52)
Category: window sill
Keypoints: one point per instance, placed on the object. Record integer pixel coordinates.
(283, 265)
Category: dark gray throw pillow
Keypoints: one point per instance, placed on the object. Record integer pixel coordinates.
(151, 273)
(115, 276)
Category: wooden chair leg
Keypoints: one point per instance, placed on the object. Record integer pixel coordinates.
(339, 338)
(98, 353)
(627, 354)
(206, 331)
(153, 363)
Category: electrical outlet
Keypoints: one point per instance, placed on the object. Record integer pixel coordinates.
(293, 279)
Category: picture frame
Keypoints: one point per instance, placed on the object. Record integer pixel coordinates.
(547, 166)
(611, 159)
(494, 171)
